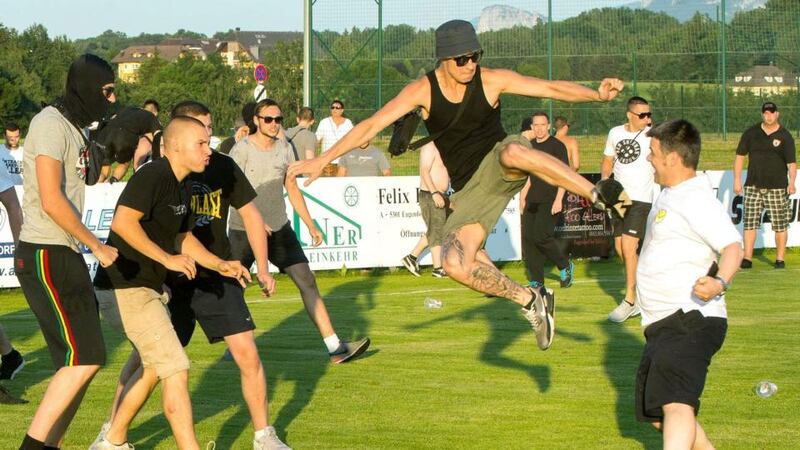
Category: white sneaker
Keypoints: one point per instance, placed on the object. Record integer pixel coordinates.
(270, 441)
(101, 435)
(105, 445)
(623, 311)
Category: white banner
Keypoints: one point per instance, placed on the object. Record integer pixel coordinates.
(370, 222)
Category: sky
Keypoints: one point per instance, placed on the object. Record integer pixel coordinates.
(84, 18)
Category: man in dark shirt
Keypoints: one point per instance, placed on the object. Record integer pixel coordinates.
(541, 203)
(152, 230)
(127, 136)
(771, 157)
(487, 167)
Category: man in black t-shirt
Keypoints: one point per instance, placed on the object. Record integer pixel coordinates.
(128, 136)
(771, 171)
(152, 231)
(540, 205)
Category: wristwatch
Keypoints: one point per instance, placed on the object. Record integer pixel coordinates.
(725, 285)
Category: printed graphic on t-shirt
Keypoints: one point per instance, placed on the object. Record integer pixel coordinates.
(628, 151)
(206, 204)
(13, 166)
(82, 165)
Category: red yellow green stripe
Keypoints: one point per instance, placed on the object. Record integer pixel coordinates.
(64, 328)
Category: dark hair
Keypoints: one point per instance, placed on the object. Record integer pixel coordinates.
(561, 121)
(305, 113)
(335, 101)
(681, 137)
(153, 102)
(248, 111)
(636, 100)
(540, 114)
(189, 108)
(526, 124)
(266, 103)
(11, 126)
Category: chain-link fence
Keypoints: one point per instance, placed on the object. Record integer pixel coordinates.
(713, 63)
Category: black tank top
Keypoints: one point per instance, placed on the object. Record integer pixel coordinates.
(464, 145)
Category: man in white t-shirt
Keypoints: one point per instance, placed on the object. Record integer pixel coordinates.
(330, 130)
(626, 152)
(681, 288)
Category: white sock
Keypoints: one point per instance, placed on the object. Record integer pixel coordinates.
(262, 432)
(332, 342)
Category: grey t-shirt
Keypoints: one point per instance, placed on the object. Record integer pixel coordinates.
(266, 171)
(303, 140)
(368, 162)
(53, 136)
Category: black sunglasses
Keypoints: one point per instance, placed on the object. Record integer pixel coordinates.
(336, 107)
(270, 119)
(107, 91)
(462, 60)
(642, 115)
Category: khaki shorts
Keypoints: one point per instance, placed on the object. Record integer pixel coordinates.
(487, 193)
(142, 314)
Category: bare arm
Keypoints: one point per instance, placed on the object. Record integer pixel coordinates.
(606, 166)
(738, 165)
(523, 194)
(119, 171)
(426, 158)
(192, 248)
(63, 213)
(558, 203)
(574, 155)
(510, 82)
(254, 227)
(341, 171)
(143, 150)
(299, 205)
(386, 172)
(707, 287)
(792, 175)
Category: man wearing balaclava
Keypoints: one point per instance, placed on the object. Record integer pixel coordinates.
(487, 167)
(48, 261)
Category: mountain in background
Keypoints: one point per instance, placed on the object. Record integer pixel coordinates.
(499, 17)
(684, 9)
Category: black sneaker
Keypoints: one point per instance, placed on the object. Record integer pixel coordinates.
(746, 264)
(6, 398)
(12, 363)
(541, 315)
(349, 350)
(438, 273)
(780, 264)
(411, 264)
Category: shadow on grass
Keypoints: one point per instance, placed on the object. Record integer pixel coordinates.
(292, 353)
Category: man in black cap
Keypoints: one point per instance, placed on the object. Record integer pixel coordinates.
(48, 260)
(771, 157)
(486, 166)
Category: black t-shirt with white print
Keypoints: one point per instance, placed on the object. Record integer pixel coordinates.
(165, 202)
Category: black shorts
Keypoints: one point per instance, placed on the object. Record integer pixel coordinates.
(675, 362)
(57, 286)
(284, 249)
(215, 302)
(634, 222)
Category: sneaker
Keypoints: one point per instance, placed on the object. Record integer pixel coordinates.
(779, 264)
(270, 441)
(11, 364)
(566, 275)
(623, 311)
(102, 434)
(541, 315)
(746, 264)
(6, 398)
(535, 284)
(349, 350)
(411, 264)
(438, 273)
(105, 445)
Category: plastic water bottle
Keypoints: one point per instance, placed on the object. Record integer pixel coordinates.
(432, 303)
(765, 389)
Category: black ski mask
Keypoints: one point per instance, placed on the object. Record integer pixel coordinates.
(84, 100)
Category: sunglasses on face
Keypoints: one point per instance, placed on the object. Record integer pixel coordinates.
(336, 107)
(462, 60)
(270, 119)
(642, 115)
(108, 91)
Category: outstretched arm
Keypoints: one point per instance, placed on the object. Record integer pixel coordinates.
(510, 82)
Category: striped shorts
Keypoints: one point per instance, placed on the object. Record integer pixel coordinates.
(776, 201)
(57, 286)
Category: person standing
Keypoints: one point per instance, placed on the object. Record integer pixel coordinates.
(264, 157)
(681, 287)
(48, 262)
(365, 161)
(433, 202)
(152, 229)
(771, 173)
(12, 135)
(330, 130)
(625, 155)
(486, 166)
(541, 204)
(301, 136)
(562, 134)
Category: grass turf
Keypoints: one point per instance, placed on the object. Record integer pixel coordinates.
(466, 376)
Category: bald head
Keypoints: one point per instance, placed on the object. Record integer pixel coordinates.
(186, 146)
(182, 129)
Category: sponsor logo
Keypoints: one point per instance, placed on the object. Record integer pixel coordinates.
(179, 210)
(340, 234)
(350, 195)
(776, 142)
(660, 215)
(628, 151)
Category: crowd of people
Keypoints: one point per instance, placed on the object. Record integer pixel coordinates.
(191, 221)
